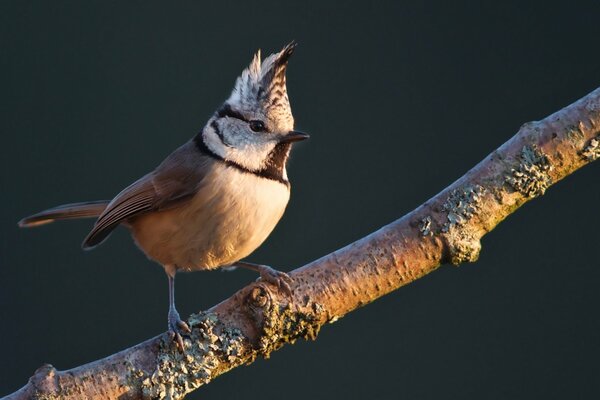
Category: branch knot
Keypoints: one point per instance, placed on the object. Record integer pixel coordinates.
(259, 297)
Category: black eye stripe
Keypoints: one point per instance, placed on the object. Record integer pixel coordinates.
(227, 111)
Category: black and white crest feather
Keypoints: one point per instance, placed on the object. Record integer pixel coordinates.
(263, 83)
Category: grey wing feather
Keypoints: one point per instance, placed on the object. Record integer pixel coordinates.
(175, 180)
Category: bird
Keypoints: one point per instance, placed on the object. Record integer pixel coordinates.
(215, 199)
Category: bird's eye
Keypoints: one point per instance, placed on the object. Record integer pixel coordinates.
(257, 126)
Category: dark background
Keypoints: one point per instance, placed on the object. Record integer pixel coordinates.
(400, 100)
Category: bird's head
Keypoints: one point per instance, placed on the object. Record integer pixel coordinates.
(255, 126)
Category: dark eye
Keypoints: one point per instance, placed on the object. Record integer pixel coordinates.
(257, 126)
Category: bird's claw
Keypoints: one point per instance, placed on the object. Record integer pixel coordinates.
(280, 279)
(176, 327)
(176, 337)
(184, 326)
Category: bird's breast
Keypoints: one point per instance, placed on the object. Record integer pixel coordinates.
(232, 214)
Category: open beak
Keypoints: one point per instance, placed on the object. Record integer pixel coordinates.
(294, 136)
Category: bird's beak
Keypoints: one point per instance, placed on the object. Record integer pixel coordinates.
(294, 136)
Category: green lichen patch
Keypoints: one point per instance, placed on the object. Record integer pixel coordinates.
(282, 324)
(207, 352)
(592, 150)
(461, 205)
(530, 178)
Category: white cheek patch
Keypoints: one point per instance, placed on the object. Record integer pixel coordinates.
(213, 142)
(252, 156)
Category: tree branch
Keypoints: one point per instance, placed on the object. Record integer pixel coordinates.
(260, 318)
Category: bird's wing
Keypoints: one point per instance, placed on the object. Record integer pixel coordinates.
(175, 180)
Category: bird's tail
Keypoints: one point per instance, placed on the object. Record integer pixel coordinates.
(88, 209)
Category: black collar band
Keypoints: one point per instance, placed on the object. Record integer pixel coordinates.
(267, 173)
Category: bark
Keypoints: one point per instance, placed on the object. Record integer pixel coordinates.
(261, 318)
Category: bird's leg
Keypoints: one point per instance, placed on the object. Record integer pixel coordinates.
(271, 275)
(176, 325)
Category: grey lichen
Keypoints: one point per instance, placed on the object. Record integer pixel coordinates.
(530, 178)
(425, 226)
(209, 350)
(592, 150)
(282, 324)
(465, 246)
(461, 205)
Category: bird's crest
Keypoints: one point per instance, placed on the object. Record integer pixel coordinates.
(263, 82)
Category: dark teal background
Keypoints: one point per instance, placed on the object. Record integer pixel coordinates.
(400, 100)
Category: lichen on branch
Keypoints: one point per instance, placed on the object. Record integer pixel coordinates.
(530, 177)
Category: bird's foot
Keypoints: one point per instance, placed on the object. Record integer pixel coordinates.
(277, 278)
(177, 327)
